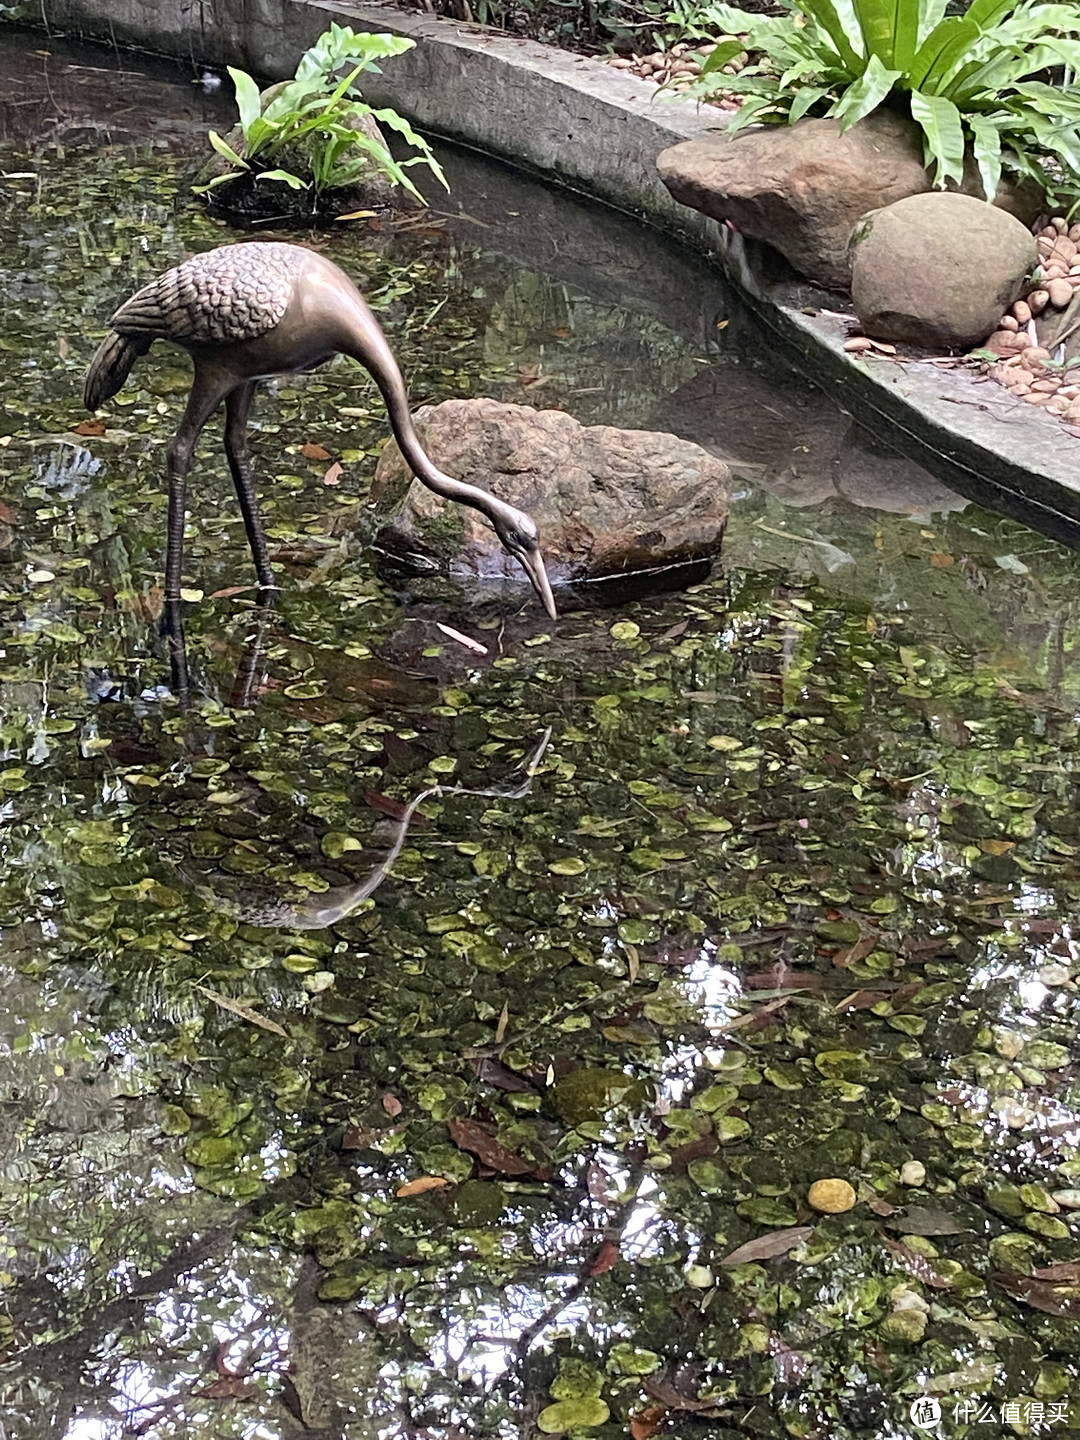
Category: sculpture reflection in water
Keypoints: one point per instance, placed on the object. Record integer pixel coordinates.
(318, 912)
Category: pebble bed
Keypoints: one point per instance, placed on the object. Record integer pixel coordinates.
(1027, 366)
(1029, 343)
(681, 65)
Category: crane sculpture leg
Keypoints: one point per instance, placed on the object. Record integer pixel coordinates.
(249, 311)
(237, 411)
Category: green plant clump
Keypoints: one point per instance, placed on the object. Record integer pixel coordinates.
(995, 82)
(314, 122)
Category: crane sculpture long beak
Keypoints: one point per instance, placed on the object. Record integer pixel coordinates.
(532, 562)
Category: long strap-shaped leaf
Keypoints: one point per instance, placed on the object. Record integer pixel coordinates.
(940, 122)
(824, 13)
(865, 95)
(947, 43)
(877, 21)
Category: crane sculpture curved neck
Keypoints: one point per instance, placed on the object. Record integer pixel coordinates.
(250, 311)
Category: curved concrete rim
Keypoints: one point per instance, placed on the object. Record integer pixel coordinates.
(598, 130)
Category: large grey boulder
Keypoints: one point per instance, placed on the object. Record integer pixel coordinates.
(803, 187)
(609, 502)
(938, 270)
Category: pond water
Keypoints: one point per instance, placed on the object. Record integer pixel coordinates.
(790, 895)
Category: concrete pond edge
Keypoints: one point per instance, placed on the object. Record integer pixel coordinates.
(597, 130)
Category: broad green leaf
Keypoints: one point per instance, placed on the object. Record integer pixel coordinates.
(293, 181)
(877, 22)
(248, 101)
(986, 147)
(952, 35)
(825, 14)
(721, 56)
(866, 94)
(807, 97)
(944, 134)
(904, 22)
(225, 149)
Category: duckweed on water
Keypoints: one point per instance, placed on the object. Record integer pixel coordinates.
(532, 1131)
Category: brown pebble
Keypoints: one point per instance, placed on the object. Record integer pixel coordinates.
(1058, 405)
(1049, 386)
(1009, 322)
(1038, 301)
(1034, 355)
(1070, 391)
(1045, 246)
(1054, 272)
(1017, 375)
(1060, 292)
(1019, 389)
(1074, 233)
(1060, 224)
(857, 344)
(1037, 398)
(1021, 312)
(1073, 412)
(1048, 232)
(1005, 342)
(619, 62)
(1064, 247)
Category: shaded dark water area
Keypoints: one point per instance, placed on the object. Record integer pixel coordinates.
(790, 896)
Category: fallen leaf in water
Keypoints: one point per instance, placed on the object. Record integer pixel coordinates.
(1044, 1295)
(311, 451)
(89, 427)
(334, 473)
(767, 1247)
(392, 1105)
(230, 590)
(421, 1186)
(480, 1140)
(917, 1265)
(604, 1258)
(1065, 1271)
(500, 1028)
(494, 1072)
(922, 1220)
(245, 1012)
(645, 1424)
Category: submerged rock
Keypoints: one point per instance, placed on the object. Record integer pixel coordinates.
(937, 270)
(802, 188)
(609, 502)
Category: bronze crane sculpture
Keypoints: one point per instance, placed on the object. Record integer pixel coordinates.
(250, 311)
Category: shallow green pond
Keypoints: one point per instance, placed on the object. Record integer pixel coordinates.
(790, 897)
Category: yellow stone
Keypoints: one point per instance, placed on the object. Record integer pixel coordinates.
(832, 1197)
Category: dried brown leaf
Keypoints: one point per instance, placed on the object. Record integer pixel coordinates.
(421, 1186)
(768, 1247)
(480, 1140)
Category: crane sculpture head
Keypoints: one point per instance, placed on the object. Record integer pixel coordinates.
(249, 311)
(519, 536)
